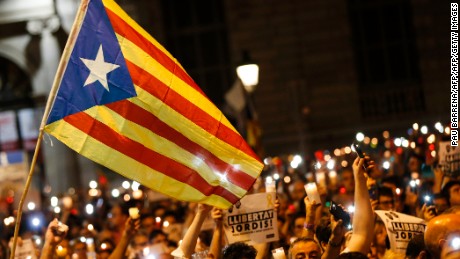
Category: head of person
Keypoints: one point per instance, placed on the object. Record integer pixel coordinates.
(157, 236)
(415, 162)
(297, 190)
(452, 192)
(323, 231)
(437, 232)
(416, 248)
(304, 248)
(105, 248)
(451, 246)
(148, 223)
(386, 199)
(299, 222)
(352, 255)
(380, 235)
(440, 203)
(139, 241)
(239, 250)
(347, 180)
(118, 216)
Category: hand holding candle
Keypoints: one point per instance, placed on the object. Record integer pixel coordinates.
(312, 192)
(134, 212)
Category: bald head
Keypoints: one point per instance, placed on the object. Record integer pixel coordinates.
(438, 229)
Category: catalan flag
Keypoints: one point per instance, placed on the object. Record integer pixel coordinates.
(126, 103)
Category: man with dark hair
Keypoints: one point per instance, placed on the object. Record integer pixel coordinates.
(452, 192)
(386, 199)
(416, 248)
(239, 250)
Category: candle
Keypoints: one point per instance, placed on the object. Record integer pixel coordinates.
(312, 192)
(61, 251)
(278, 253)
(134, 212)
(67, 202)
(270, 185)
(321, 178)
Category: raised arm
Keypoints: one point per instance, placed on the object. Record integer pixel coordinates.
(52, 238)
(363, 220)
(215, 251)
(131, 227)
(311, 208)
(191, 236)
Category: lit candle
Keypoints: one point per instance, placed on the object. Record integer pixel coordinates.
(134, 212)
(270, 185)
(61, 251)
(321, 178)
(278, 253)
(67, 202)
(312, 192)
(333, 178)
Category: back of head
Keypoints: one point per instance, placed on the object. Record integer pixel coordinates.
(439, 228)
(239, 250)
(323, 230)
(415, 246)
(352, 255)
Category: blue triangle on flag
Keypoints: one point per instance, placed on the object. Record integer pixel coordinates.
(74, 96)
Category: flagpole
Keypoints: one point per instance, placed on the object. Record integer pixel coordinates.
(54, 88)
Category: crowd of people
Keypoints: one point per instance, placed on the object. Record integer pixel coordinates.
(175, 229)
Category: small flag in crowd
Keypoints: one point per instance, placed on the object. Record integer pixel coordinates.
(126, 103)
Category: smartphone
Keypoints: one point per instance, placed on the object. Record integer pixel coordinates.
(360, 153)
(428, 200)
(338, 213)
(373, 194)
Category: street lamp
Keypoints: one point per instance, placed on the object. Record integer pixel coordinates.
(248, 72)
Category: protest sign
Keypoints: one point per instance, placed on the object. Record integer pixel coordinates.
(254, 220)
(449, 159)
(25, 251)
(400, 228)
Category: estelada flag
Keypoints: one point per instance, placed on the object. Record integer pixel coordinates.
(126, 103)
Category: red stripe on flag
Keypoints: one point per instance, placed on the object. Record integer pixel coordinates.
(149, 121)
(148, 157)
(188, 109)
(124, 29)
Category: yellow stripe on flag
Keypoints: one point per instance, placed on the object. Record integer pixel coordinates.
(114, 7)
(138, 57)
(160, 145)
(92, 149)
(177, 121)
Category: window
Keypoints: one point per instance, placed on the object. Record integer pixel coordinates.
(386, 58)
(196, 35)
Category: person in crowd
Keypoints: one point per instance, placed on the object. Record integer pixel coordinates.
(304, 247)
(416, 248)
(104, 249)
(346, 189)
(239, 250)
(440, 203)
(380, 241)
(139, 241)
(386, 198)
(452, 192)
(117, 218)
(363, 220)
(129, 230)
(437, 233)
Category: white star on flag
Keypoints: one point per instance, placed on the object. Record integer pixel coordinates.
(98, 69)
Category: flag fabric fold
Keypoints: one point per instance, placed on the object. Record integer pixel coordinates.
(126, 103)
